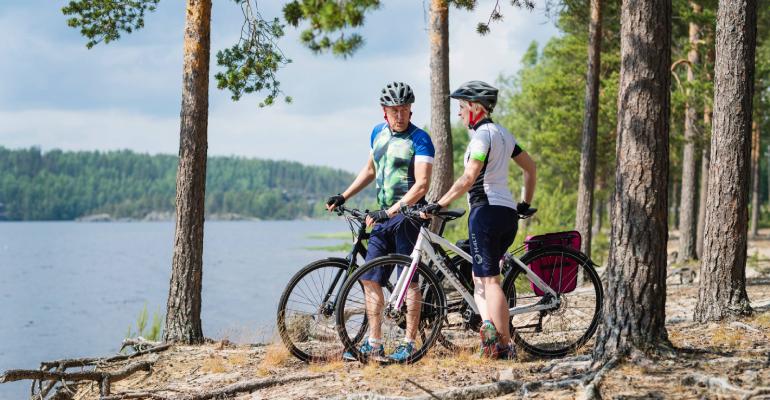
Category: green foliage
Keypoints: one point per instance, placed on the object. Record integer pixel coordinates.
(104, 20)
(252, 63)
(155, 329)
(65, 185)
(326, 17)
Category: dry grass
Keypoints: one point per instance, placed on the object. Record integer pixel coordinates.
(214, 364)
(276, 356)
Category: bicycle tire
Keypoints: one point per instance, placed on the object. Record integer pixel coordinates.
(579, 310)
(301, 305)
(431, 312)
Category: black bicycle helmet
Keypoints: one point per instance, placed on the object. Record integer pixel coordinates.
(477, 92)
(396, 94)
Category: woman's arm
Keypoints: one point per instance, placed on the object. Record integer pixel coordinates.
(463, 184)
(527, 165)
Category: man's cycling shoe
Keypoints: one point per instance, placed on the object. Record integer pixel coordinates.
(366, 350)
(403, 352)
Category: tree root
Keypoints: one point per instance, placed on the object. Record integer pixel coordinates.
(231, 390)
(589, 382)
(577, 362)
(723, 385)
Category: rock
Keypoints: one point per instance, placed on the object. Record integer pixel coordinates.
(505, 374)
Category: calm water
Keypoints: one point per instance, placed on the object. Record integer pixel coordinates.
(70, 289)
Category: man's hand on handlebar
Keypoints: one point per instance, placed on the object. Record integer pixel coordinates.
(376, 217)
(335, 201)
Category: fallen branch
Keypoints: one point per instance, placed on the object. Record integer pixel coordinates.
(85, 362)
(103, 378)
(227, 391)
(139, 343)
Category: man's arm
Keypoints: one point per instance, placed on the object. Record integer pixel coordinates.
(422, 172)
(463, 183)
(527, 165)
(364, 178)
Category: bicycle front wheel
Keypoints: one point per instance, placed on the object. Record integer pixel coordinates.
(422, 311)
(305, 319)
(564, 329)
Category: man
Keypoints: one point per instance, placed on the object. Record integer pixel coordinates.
(400, 161)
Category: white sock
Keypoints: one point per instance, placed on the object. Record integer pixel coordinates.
(374, 342)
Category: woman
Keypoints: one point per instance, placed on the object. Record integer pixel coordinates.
(493, 218)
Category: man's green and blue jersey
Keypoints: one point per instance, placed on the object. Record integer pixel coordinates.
(394, 155)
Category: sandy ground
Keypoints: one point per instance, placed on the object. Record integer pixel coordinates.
(726, 360)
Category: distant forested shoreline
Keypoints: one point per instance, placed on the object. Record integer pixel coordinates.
(124, 185)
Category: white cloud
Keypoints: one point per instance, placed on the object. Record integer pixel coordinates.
(89, 130)
(126, 94)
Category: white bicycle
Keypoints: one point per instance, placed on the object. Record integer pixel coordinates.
(553, 291)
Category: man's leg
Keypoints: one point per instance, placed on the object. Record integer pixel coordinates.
(413, 308)
(406, 233)
(374, 304)
(379, 245)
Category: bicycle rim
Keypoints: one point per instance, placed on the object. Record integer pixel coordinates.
(555, 333)
(305, 319)
(430, 303)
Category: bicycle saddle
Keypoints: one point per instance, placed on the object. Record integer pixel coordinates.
(449, 215)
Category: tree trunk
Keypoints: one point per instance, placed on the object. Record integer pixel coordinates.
(674, 212)
(183, 310)
(588, 155)
(440, 130)
(634, 304)
(722, 291)
(704, 183)
(687, 211)
(755, 143)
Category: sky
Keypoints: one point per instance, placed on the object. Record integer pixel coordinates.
(55, 93)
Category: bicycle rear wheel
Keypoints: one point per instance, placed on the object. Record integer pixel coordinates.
(351, 310)
(305, 319)
(557, 332)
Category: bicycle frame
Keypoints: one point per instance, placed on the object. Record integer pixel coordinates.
(423, 249)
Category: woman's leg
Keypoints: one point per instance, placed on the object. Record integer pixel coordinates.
(493, 306)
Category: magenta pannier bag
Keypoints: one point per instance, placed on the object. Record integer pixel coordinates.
(558, 272)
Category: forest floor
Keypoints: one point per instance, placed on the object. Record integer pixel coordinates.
(724, 360)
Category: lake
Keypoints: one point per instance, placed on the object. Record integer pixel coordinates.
(72, 289)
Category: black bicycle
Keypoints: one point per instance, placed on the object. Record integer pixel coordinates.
(305, 317)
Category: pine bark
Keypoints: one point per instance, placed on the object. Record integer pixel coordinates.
(722, 289)
(755, 150)
(688, 223)
(634, 303)
(440, 129)
(590, 121)
(705, 162)
(705, 154)
(183, 310)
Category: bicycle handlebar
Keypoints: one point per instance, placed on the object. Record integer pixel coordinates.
(353, 212)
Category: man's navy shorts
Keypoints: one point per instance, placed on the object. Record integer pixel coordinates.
(491, 230)
(396, 235)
